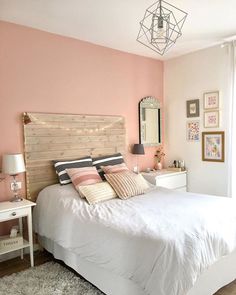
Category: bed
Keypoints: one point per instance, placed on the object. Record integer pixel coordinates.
(164, 242)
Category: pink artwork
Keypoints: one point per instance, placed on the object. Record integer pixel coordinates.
(193, 130)
(211, 100)
(211, 119)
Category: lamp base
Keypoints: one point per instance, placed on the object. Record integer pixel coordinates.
(16, 199)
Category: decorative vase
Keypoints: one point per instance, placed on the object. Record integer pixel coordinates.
(159, 165)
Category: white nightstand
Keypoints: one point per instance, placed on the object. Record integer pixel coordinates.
(13, 210)
(169, 179)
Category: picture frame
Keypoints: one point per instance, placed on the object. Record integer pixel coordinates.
(213, 146)
(211, 119)
(193, 130)
(211, 100)
(193, 109)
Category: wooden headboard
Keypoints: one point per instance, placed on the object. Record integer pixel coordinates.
(50, 137)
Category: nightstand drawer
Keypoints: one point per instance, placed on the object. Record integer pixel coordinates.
(172, 181)
(11, 214)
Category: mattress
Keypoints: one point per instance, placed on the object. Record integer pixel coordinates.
(162, 241)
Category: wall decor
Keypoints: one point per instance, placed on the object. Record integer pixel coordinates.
(211, 119)
(193, 130)
(213, 149)
(150, 121)
(211, 100)
(192, 107)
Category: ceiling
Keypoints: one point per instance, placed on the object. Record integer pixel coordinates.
(115, 23)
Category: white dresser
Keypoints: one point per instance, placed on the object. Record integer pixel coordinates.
(169, 179)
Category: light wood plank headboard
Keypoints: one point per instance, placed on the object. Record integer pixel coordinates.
(50, 137)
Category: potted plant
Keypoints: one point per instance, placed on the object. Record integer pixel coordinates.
(159, 155)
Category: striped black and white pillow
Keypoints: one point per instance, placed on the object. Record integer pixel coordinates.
(107, 160)
(61, 167)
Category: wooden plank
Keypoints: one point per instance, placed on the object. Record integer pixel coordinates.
(71, 125)
(50, 137)
(69, 146)
(42, 177)
(71, 132)
(47, 117)
(29, 140)
(33, 189)
(62, 154)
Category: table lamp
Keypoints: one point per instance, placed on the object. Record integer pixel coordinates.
(138, 149)
(13, 164)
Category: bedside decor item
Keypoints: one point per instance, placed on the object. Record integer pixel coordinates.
(192, 107)
(211, 100)
(159, 155)
(13, 164)
(178, 165)
(213, 146)
(161, 26)
(193, 130)
(174, 169)
(8, 243)
(13, 233)
(211, 119)
(138, 149)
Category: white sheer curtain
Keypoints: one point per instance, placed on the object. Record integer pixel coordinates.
(232, 129)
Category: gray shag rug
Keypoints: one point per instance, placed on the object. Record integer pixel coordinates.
(47, 279)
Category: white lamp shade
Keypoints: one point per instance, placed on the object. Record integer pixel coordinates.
(13, 164)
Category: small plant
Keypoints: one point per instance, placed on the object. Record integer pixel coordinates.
(159, 155)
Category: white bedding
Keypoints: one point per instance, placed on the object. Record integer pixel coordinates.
(162, 240)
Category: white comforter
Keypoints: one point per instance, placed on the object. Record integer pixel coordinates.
(162, 241)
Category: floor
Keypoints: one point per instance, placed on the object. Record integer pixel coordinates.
(14, 265)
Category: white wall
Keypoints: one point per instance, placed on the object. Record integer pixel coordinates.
(188, 77)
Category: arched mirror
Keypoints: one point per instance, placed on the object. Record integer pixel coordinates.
(150, 121)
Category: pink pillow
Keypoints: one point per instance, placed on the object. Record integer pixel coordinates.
(115, 168)
(83, 176)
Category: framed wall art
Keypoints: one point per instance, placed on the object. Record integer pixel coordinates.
(211, 119)
(193, 130)
(211, 100)
(213, 146)
(192, 107)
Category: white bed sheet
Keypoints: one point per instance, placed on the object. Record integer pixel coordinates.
(162, 241)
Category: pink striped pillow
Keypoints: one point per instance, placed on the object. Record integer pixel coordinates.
(83, 176)
(115, 168)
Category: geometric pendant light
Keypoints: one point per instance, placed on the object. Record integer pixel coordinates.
(161, 26)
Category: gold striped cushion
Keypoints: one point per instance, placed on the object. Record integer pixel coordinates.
(127, 184)
(98, 192)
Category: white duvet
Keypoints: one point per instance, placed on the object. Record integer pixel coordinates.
(162, 240)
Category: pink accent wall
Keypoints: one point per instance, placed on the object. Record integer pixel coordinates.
(43, 72)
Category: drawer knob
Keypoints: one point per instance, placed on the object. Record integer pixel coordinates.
(13, 214)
